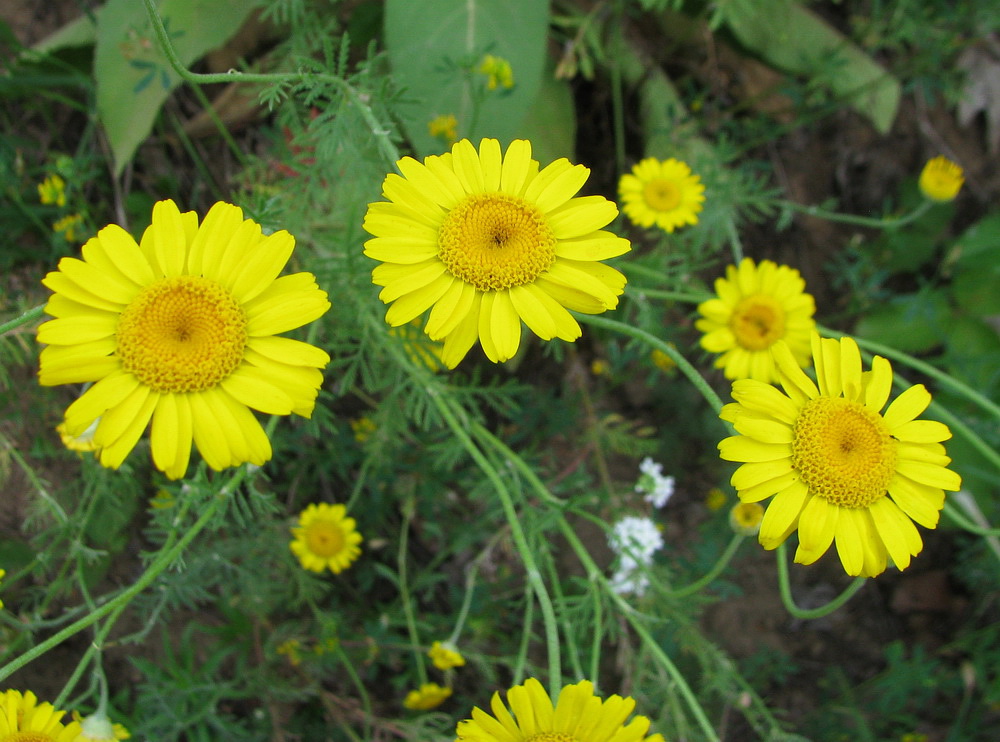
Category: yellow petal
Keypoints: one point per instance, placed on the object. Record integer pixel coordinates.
(171, 435)
(907, 406)
(450, 309)
(878, 384)
(741, 448)
(210, 241)
(169, 240)
(463, 337)
(581, 216)
(782, 515)
(897, 532)
(287, 350)
(414, 303)
(262, 266)
(817, 527)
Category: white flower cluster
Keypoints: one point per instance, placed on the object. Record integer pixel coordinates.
(657, 488)
(634, 540)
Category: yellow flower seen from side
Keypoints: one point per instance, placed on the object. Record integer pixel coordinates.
(83, 443)
(428, 696)
(577, 716)
(663, 361)
(487, 241)
(69, 227)
(661, 193)
(745, 518)
(839, 469)
(498, 72)
(941, 180)
(445, 127)
(755, 307)
(52, 190)
(98, 728)
(23, 719)
(326, 538)
(445, 656)
(181, 332)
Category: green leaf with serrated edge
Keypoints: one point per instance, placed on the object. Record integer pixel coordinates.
(430, 42)
(127, 107)
(796, 40)
(912, 323)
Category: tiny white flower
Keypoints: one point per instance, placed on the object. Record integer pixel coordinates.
(629, 582)
(657, 488)
(634, 539)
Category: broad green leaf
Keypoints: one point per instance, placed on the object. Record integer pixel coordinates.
(796, 40)
(550, 124)
(912, 323)
(434, 48)
(78, 32)
(973, 354)
(134, 77)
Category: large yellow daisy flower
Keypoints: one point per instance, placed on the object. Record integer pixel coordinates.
(23, 719)
(180, 330)
(485, 241)
(663, 193)
(839, 469)
(756, 306)
(326, 538)
(578, 715)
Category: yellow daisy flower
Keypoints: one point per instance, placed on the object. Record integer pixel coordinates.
(839, 469)
(578, 715)
(661, 193)
(941, 179)
(52, 190)
(23, 719)
(182, 329)
(428, 696)
(745, 518)
(756, 306)
(326, 538)
(445, 656)
(485, 241)
(98, 728)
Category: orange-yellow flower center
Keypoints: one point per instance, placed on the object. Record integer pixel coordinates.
(494, 241)
(758, 322)
(662, 195)
(843, 451)
(325, 538)
(182, 334)
(550, 737)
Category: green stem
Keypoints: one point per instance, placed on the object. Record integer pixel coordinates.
(714, 572)
(404, 593)
(29, 316)
(861, 221)
(378, 130)
(824, 610)
(686, 368)
(643, 292)
(520, 541)
(966, 523)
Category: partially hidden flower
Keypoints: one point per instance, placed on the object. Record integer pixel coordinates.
(3, 573)
(661, 193)
(52, 190)
(839, 469)
(577, 714)
(488, 241)
(363, 428)
(745, 518)
(445, 655)
(69, 227)
(634, 540)
(445, 127)
(418, 347)
(656, 488)
(180, 331)
(291, 648)
(98, 728)
(755, 307)
(23, 719)
(498, 72)
(941, 180)
(663, 361)
(428, 696)
(326, 538)
(83, 443)
(715, 499)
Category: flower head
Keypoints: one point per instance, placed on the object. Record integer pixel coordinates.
(445, 127)
(662, 361)
(69, 227)
(445, 656)
(756, 306)
(363, 428)
(52, 190)
(326, 538)
(428, 696)
(486, 241)
(715, 499)
(181, 330)
(98, 728)
(23, 719)
(941, 180)
(839, 468)
(745, 518)
(498, 72)
(634, 540)
(657, 488)
(663, 193)
(577, 715)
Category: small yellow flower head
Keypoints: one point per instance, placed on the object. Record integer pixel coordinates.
(326, 538)
(69, 227)
(715, 499)
(290, 648)
(3, 573)
(445, 126)
(941, 180)
(52, 190)
(600, 367)
(745, 518)
(427, 697)
(98, 728)
(662, 361)
(162, 500)
(664, 194)
(498, 72)
(445, 656)
(363, 428)
(419, 349)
